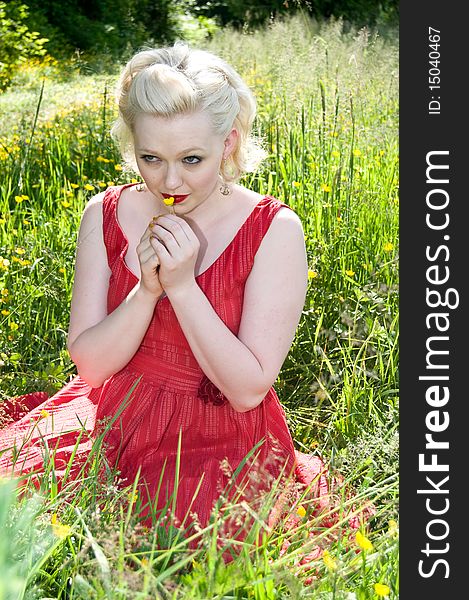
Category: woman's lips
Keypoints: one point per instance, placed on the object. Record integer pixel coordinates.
(177, 198)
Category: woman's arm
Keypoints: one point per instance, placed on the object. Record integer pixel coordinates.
(245, 366)
(101, 344)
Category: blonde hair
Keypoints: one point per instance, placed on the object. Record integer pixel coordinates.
(179, 80)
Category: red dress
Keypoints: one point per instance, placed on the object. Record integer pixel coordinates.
(167, 394)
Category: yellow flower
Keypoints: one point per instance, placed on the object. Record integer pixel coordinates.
(74, 185)
(24, 262)
(44, 414)
(393, 530)
(359, 229)
(66, 204)
(335, 153)
(168, 201)
(2, 221)
(350, 273)
(5, 312)
(102, 159)
(61, 270)
(110, 183)
(388, 246)
(4, 263)
(329, 561)
(357, 152)
(381, 590)
(363, 542)
(101, 184)
(89, 187)
(19, 199)
(58, 529)
(326, 188)
(296, 184)
(301, 511)
(14, 326)
(5, 292)
(312, 274)
(118, 167)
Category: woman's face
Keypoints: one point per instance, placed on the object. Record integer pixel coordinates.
(180, 157)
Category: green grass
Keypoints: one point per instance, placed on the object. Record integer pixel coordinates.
(328, 115)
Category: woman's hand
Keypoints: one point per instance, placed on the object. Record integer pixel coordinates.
(177, 249)
(149, 263)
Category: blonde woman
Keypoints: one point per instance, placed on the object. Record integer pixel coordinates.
(188, 290)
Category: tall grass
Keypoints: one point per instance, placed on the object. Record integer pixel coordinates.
(328, 111)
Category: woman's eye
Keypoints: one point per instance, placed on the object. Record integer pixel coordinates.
(149, 158)
(192, 160)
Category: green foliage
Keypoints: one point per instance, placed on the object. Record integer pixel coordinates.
(18, 43)
(328, 115)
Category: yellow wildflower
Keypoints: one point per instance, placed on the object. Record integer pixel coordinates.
(5, 291)
(88, 186)
(359, 229)
(101, 184)
(312, 274)
(58, 528)
(329, 561)
(44, 414)
(357, 152)
(110, 183)
(326, 188)
(19, 199)
(296, 184)
(169, 201)
(388, 246)
(4, 263)
(301, 511)
(61, 270)
(335, 153)
(363, 542)
(74, 185)
(393, 530)
(2, 221)
(350, 273)
(118, 167)
(381, 590)
(66, 204)
(14, 326)
(5, 312)
(24, 262)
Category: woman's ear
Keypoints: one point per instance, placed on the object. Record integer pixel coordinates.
(230, 143)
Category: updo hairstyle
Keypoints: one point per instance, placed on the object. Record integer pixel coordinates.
(179, 80)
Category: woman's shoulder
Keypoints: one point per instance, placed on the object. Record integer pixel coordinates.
(272, 208)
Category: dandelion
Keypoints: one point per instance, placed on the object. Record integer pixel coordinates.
(388, 246)
(350, 273)
(101, 184)
(381, 590)
(312, 274)
(88, 186)
(14, 326)
(102, 159)
(169, 201)
(58, 528)
(296, 184)
(44, 414)
(326, 188)
(66, 204)
(74, 186)
(357, 152)
(301, 511)
(363, 542)
(19, 199)
(335, 154)
(110, 183)
(329, 561)
(5, 312)
(118, 167)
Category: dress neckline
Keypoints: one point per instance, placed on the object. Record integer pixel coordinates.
(207, 269)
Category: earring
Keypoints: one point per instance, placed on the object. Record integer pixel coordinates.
(140, 187)
(225, 189)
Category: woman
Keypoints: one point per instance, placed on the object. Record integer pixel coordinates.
(187, 293)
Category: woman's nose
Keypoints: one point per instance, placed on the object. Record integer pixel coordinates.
(173, 178)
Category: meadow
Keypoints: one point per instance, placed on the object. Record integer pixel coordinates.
(328, 116)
